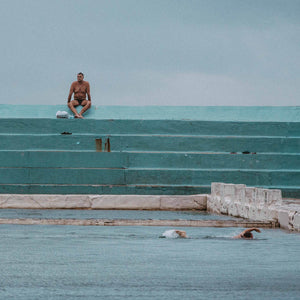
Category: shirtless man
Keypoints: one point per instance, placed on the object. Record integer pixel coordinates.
(246, 234)
(80, 88)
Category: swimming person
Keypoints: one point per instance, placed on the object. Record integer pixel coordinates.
(246, 234)
(80, 88)
(173, 234)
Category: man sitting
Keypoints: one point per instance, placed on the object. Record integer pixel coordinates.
(80, 88)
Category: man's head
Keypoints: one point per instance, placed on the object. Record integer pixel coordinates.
(181, 233)
(80, 77)
(247, 235)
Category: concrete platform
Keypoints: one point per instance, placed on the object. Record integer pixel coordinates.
(122, 222)
(216, 113)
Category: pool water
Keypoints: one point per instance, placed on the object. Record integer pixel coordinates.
(98, 262)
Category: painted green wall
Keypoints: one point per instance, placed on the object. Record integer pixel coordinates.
(180, 151)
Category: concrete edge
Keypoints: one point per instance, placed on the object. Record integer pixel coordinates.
(253, 203)
(133, 202)
(237, 200)
(127, 222)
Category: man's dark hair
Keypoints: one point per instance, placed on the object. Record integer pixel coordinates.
(80, 73)
(247, 234)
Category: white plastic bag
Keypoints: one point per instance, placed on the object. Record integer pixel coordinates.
(62, 115)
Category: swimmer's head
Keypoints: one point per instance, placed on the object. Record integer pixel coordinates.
(181, 233)
(247, 235)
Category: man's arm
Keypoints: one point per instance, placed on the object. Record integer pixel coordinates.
(251, 229)
(71, 92)
(88, 91)
(241, 235)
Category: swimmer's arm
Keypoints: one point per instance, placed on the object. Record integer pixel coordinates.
(71, 92)
(251, 229)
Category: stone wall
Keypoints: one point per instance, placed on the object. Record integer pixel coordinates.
(253, 203)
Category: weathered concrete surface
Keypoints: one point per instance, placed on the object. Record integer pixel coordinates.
(220, 113)
(261, 207)
(122, 222)
(254, 203)
(289, 214)
(146, 202)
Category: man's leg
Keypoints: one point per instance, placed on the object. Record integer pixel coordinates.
(86, 104)
(72, 104)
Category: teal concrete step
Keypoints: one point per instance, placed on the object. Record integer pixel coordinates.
(148, 176)
(287, 191)
(213, 160)
(62, 176)
(155, 126)
(206, 176)
(152, 143)
(62, 159)
(92, 159)
(154, 150)
(103, 189)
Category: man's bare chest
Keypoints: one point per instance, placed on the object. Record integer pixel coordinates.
(80, 88)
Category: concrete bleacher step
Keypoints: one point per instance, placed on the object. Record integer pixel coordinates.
(92, 159)
(111, 172)
(104, 189)
(213, 160)
(155, 126)
(110, 189)
(146, 156)
(252, 144)
(206, 176)
(61, 159)
(116, 176)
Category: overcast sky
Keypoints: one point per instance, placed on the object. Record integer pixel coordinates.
(152, 52)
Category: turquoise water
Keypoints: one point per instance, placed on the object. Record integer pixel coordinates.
(96, 262)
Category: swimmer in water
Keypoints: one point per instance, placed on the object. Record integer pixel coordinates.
(174, 234)
(246, 234)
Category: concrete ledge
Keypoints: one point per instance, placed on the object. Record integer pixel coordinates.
(138, 202)
(253, 203)
(155, 112)
(122, 222)
(289, 217)
(256, 204)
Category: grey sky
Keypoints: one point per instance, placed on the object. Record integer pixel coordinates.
(154, 52)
